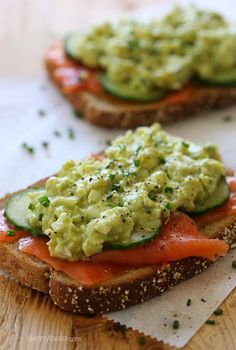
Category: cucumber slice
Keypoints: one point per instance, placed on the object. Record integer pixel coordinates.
(222, 79)
(70, 45)
(215, 200)
(126, 93)
(136, 239)
(16, 208)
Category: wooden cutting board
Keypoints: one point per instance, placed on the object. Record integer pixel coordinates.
(29, 320)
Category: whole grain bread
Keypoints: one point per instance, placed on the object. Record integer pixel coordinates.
(108, 111)
(133, 287)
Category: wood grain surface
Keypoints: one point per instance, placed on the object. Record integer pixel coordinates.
(29, 320)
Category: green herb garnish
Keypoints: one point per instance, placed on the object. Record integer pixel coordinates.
(185, 144)
(78, 114)
(57, 133)
(141, 340)
(168, 190)
(45, 144)
(234, 264)
(152, 195)
(218, 311)
(175, 324)
(40, 217)
(71, 133)
(108, 142)
(121, 203)
(211, 322)
(168, 206)
(11, 233)
(44, 200)
(41, 112)
(31, 206)
(136, 162)
(189, 302)
(109, 196)
(162, 160)
(28, 148)
(227, 118)
(111, 177)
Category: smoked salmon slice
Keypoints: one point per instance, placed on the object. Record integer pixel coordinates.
(180, 238)
(84, 272)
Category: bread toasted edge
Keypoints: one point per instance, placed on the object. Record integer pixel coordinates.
(134, 287)
(114, 113)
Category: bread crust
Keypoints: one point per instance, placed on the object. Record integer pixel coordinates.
(107, 111)
(133, 287)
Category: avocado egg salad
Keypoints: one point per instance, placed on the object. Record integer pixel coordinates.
(142, 61)
(121, 198)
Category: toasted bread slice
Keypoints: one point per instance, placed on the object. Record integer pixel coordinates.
(108, 111)
(133, 287)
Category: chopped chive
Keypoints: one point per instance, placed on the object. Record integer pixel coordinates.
(31, 206)
(175, 324)
(108, 142)
(28, 148)
(136, 162)
(141, 340)
(185, 144)
(11, 233)
(227, 118)
(71, 133)
(234, 264)
(189, 302)
(162, 160)
(78, 114)
(211, 322)
(45, 144)
(57, 133)
(152, 195)
(115, 187)
(44, 200)
(40, 217)
(121, 203)
(111, 177)
(41, 112)
(138, 149)
(168, 189)
(168, 206)
(218, 311)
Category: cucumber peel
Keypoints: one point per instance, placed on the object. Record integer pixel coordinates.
(16, 209)
(124, 92)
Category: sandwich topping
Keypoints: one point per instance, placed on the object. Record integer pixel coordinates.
(122, 198)
(141, 60)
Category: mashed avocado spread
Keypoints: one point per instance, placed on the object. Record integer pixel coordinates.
(163, 53)
(143, 176)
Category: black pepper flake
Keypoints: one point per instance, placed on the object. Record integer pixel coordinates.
(45, 144)
(203, 300)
